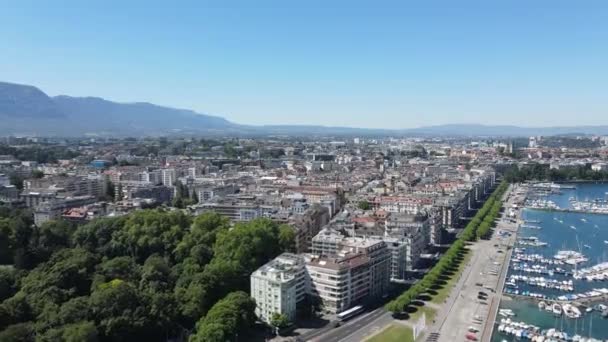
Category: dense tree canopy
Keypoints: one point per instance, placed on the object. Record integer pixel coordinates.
(150, 275)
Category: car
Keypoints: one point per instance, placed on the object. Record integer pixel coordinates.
(481, 293)
(478, 284)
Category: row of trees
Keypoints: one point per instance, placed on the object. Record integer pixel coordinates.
(543, 172)
(150, 275)
(483, 221)
(453, 255)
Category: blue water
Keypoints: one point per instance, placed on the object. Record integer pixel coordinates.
(560, 236)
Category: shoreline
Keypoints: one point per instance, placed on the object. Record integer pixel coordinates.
(504, 271)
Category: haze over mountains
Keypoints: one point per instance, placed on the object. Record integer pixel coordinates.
(26, 109)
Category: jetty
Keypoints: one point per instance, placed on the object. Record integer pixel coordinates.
(585, 298)
(569, 210)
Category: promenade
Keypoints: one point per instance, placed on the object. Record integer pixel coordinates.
(485, 272)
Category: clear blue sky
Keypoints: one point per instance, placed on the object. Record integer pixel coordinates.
(364, 64)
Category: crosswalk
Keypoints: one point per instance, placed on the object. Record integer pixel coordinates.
(433, 337)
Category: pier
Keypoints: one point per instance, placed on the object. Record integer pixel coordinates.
(565, 210)
(578, 301)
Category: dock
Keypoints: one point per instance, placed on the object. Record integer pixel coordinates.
(563, 210)
(578, 301)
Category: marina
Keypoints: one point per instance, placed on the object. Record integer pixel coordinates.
(557, 268)
(522, 330)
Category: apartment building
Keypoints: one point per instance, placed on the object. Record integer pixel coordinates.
(168, 177)
(415, 230)
(398, 248)
(278, 286)
(338, 282)
(53, 209)
(308, 225)
(331, 243)
(93, 185)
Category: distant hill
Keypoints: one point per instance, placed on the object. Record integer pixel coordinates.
(25, 109)
(17, 101)
(504, 130)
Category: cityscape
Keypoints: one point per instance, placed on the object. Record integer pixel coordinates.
(198, 172)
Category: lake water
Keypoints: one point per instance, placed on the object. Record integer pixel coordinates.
(588, 238)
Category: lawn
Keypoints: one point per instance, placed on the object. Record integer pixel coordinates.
(444, 292)
(430, 314)
(394, 333)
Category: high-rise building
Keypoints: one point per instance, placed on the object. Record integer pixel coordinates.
(168, 177)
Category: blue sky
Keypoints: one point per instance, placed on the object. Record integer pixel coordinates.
(350, 63)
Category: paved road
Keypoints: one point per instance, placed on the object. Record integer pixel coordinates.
(349, 328)
(487, 267)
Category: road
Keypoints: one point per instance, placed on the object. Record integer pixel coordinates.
(488, 266)
(351, 327)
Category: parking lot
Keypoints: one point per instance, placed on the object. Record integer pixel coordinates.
(472, 314)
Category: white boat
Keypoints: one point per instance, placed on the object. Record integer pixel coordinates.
(573, 227)
(542, 305)
(557, 309)
(506, 312)
(584, 220)
(587, 246)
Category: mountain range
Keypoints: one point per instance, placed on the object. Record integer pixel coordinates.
(26, 110)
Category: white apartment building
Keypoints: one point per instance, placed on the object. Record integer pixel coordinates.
(153, 177)
(168, 177)
(278, 286)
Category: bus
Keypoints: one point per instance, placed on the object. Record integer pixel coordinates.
(350, 313)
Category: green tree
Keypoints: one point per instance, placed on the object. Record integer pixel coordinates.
(279, 321)
(17, 181)
(80, 332)
(230, 317)
(364, 205)
(22, 332)
(287, 238)
(119, 311)
(37, 174)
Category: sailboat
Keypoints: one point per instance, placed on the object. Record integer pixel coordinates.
(573, 227)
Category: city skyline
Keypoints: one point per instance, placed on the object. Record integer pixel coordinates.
(387, 66)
